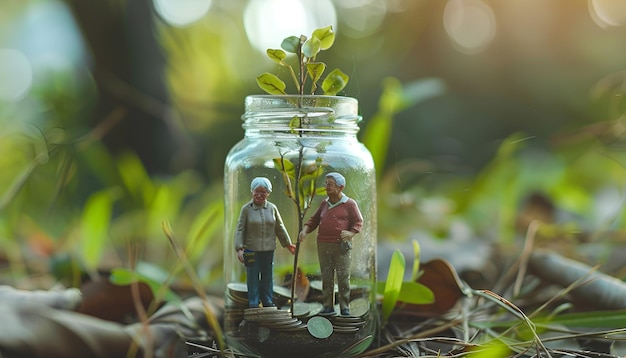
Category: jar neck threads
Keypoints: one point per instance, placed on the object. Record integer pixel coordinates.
(301, 115)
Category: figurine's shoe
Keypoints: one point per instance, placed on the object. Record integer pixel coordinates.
(327, 311)
(345, 312)
(271, 304)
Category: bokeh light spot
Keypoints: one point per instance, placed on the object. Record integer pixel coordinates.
(607, 13)
(268, 22)
(471, 24)
(366, 17)
(16, 75)
(180, 13)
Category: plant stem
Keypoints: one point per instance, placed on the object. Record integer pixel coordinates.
(301, 64)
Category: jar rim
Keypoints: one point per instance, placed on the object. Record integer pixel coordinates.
(340, 104)
(297, 95)
(322, 112)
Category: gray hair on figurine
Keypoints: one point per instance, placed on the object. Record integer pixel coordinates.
(339, 179)
(261, 181)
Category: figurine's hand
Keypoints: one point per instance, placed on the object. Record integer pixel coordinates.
(347, 234)
(240, 255)
(292, 249)
(302, 235)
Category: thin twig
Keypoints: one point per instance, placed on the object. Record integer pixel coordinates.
(516, 311)
(416, 336)
(529, 242)
(197, 284)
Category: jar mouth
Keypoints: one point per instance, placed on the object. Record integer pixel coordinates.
(342, 105)
(302, 112)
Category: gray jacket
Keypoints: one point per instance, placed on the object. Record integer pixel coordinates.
(259, 226)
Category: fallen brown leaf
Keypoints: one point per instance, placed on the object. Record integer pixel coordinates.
(105, 300)
(37, 331)
(441, 277)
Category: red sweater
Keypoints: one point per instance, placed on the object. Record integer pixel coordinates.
(344, 216)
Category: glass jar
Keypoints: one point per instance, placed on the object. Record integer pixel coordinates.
(295, 141)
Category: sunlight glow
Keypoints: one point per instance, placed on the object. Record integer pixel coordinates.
(16, 75)
(181, 13)
(268, 22)
(606, 13)
(470, 24)
(366, 17)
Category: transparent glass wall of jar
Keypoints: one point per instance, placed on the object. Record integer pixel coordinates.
(312, 136)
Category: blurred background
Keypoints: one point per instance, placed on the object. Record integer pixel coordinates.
(117, 115)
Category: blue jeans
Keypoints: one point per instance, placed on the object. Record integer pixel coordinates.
(260, 279)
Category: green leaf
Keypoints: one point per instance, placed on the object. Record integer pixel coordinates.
(95, 223)
(357, 347)
(291, 44)
(276, 55)
(393, 284)
(334, 82)
(289, 173)
(295, 123)
(415, 293)
(416, 261)
(285, 166)
(491, 349)
(315, 70)
(311, 47)
(149, 274)
(271, 83)
(326, 35)
(204, 229)
(135, 177)
(308, 179)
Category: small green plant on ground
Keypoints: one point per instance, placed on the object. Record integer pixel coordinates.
(306, 50)
(395, 289)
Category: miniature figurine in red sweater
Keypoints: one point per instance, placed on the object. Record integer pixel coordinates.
(337, 219)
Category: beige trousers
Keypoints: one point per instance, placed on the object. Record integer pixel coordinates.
(334, 262)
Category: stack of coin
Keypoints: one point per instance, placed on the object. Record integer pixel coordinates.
(273, 318)
(359, 307)
(232, 318)
(304, 310)
(264, 313)
(238, 294)
(347, 324)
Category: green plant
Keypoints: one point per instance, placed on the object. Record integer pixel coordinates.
(300, 178)
(395, 289)
(306, 50)
(301, 187)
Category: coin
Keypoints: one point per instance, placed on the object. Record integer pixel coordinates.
(266, 314)
(342, 319)
(359, 307)
(320, 327)
(301, 309)
(345, 329)
(300, 327)
(238, 287)
(349, 324)
(282, 291)
(282, 324)
(315, 308)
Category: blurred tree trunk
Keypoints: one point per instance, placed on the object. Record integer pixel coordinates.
(128, 67)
